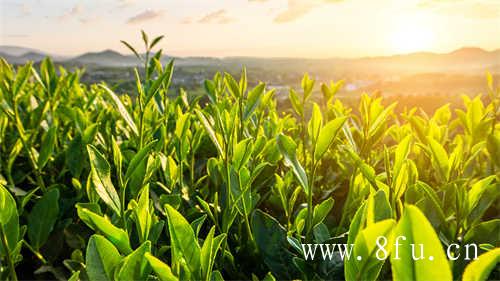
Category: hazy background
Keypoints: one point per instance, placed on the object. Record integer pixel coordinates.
(424, 52)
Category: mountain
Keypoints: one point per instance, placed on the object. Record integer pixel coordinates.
(464, 60)
(20, 55)
(17, 51)
(105, 58)
(32, 56)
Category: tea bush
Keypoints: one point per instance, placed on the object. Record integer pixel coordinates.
(100, 186)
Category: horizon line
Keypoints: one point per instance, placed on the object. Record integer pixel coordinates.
(52, 55)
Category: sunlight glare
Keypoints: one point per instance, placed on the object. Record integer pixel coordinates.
(411, 37)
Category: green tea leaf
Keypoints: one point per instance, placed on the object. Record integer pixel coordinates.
(327, 136)
(315, 123)
(439, 158)
(121, 109)
(22, 75)
(307, 85)
(89, 133)
(144, 37)
(242, 153)
(47, 147)
(43, 217)
(217, 276)
(210, 89)
(477, 190)
(116, 235)
(138, 160)
(371, 260)
(321, 233)
(297, 106)
(135, 266)
(210, 131)
(197, 224)
(209, 251)
(101, 178)
(117, 157)
(288, 149)
(253, 100)
(155, 41)
(232, 86)
(379, 120)
(9, 222)
(358, 222)
(182, 124)
(402, 151)
(271, 241)
(480, 269)
(7, 205)
(484, 233)
(131, 49)
(415, 227)
(378, 207)
(162, 79)
(184, 243)
(101, 258)
(75, 276)
(161, 269)
(493, 146)
(143, 215)
(321, 210)
(74, 154)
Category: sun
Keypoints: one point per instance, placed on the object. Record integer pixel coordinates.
(409, 37)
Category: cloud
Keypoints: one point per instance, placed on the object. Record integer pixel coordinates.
(480, 9)
(25, 9)
(122, 4)
(432, 3)
(74, 12)
(89, 20)
(77, 13)
(219, 16)
(16, 35)
(187, 20)
(483, 11)
(298, 8)
(147, 15)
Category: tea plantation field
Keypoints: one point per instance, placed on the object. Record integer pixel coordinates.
(101, 185)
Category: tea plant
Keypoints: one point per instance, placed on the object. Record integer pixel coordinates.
(98, 185)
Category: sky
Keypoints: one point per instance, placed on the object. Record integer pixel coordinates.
(263, 28)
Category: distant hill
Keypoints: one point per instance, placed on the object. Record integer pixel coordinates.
(464, 60)
(20, 55)
(29, 56)
(17, 51)
(105, 58)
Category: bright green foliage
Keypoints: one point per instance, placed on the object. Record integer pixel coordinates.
(101, 258)
(365, 246)
(162, 270)
(135, 266)
(101, 179)
(184, 244)
(288, 148)
(42, 218)
(100, 184)
(9, 232)
(116, 235)
(481, 268)
(417, 230)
